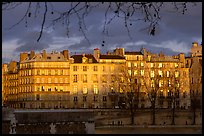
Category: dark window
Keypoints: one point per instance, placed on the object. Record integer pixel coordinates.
(84, 98)
(75, 99)
(48, 57)
(104, 98)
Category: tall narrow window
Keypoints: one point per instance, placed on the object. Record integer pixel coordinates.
(75, 89)
(95, 68)
(95, 89)
(167, 73)
(142, 72)
(74, 68)
(84, 68)
(84, 77)
(75, 79)
(176, 74)
(152, 73)
(85, 91)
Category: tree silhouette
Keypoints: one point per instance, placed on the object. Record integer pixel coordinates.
(129, 12)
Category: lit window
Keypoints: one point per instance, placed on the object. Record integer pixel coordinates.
(152, 74)
(160, 65)
(176, 74)
(152, 65)
(122, 79)
(160, 73)
(129, 64)
(152, 83)
(160, 83)
(167, 73)
(176, 65)
(75, 89)
(95, 89)
(135, 72)
(129, 72)
(84, 78)
(142, 64)
(135, 64)
(85, 91)
(121, 90)
(142, 72)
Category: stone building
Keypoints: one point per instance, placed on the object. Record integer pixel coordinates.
(194, 62)
(59, 80)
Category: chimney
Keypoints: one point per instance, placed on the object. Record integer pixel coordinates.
(44, 55)
(195, 44)
(23, 56)
(66, 54)
(97, 53)
(32, 54)
(12, 66)
(119, 51)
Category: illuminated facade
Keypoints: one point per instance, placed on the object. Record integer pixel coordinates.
(58, 80)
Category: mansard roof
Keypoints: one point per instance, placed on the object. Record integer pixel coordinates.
(111, 57)
(133, 53)
(78, 58)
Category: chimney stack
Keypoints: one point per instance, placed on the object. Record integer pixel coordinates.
(32, 54)
(44, 55)
(12, 66)
(23, 56)
(97, 53)
(66, 54)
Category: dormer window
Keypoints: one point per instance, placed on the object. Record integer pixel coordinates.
(90, 61)
(84, 60)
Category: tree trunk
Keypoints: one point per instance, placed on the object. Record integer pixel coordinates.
(173, 113)
(132, 114)
(153, 113)
(194, 113)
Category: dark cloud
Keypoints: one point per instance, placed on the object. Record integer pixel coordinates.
(32, 46)
(28, 41)
(172, 27)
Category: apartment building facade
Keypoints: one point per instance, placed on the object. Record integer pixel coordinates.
(58, 80)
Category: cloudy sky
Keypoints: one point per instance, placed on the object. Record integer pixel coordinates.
(174, 34)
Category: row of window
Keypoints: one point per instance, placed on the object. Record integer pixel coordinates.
(153, 65)
(44, 72)
(45, 64)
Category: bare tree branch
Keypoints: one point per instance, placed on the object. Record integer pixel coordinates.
(43, 22)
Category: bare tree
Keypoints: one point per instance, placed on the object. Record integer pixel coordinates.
(129, 89)
(153, 81)
(195, 86)
(173, 94)
(129, 12)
